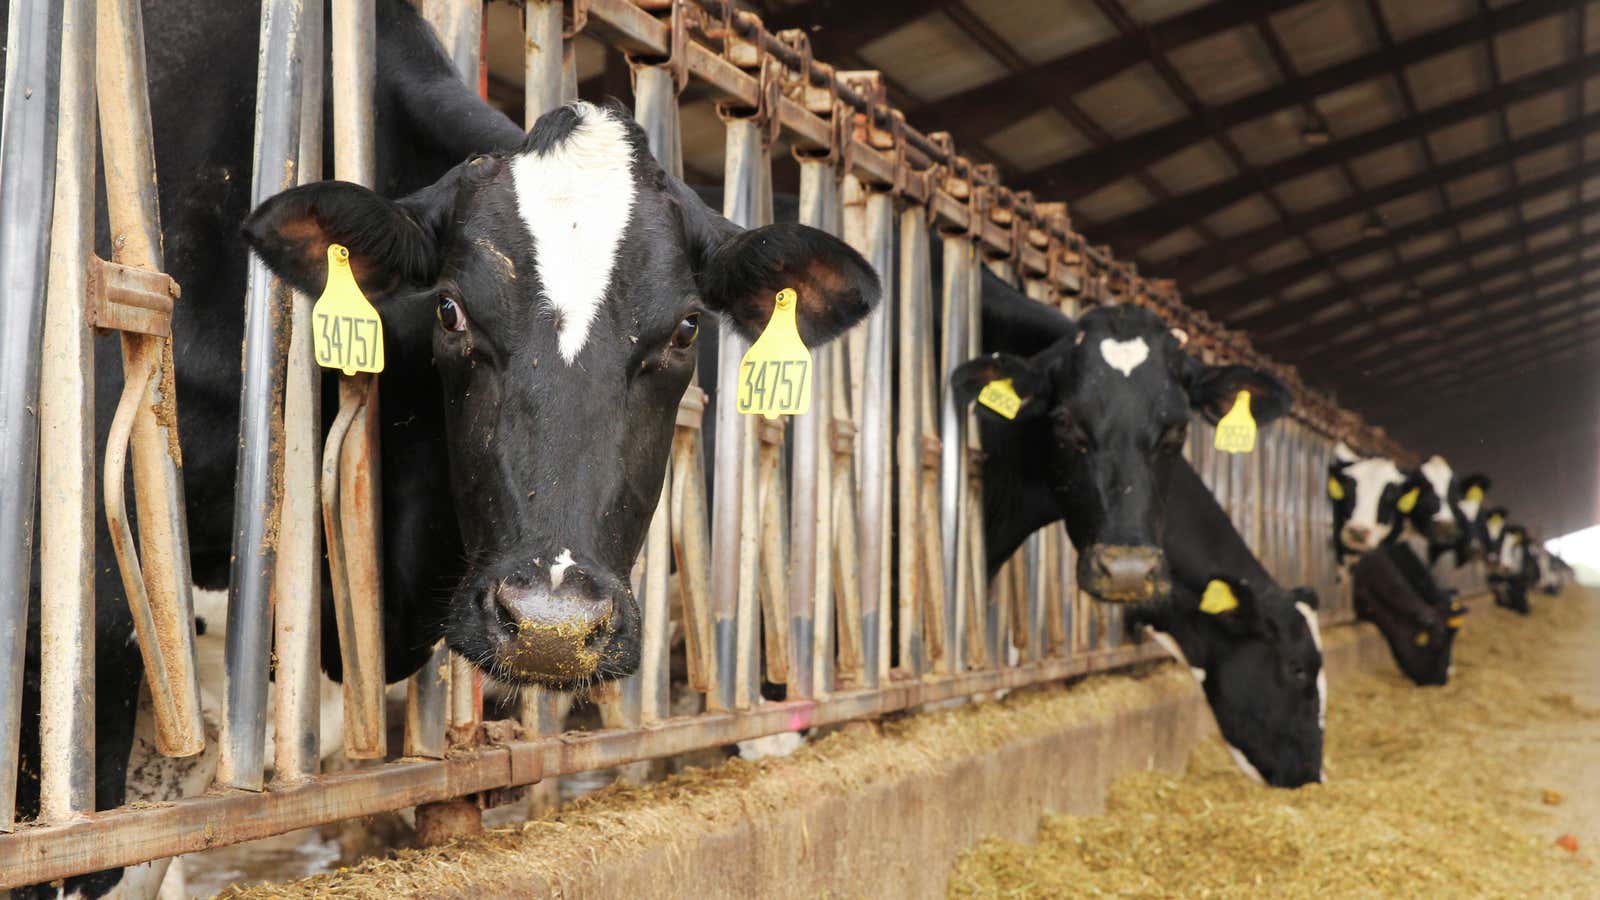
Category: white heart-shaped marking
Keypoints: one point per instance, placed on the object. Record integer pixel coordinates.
(1124, 356)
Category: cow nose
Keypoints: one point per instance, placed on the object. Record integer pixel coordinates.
(1357, 535)
(551, 636)
(1127, 574)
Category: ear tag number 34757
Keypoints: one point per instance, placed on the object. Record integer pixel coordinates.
(775, 374)
(346, 332)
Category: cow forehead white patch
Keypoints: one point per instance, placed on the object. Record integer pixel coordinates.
(1371, 476)
(1124, 356)
(576, 198)
(1439, 475)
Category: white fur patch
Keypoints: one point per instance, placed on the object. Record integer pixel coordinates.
(576, 199)
(1124, 356)
(558, 570)
(1469, 508)
(1371, 477)
(1171, 646)
(1315, 624)
(1244, 764)
(1439, 475)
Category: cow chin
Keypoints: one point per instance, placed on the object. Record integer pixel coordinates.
(564, 626)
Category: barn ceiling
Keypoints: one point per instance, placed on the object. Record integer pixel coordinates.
(1398, 197)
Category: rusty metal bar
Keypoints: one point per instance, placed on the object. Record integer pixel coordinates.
(915, 295)
(66, 450)
(811, 549)
(953, 476)
(297, 623)
(656, 109)
(542, 85)
(156, 575)
(874, 449)
(125, 837)
(256, 503)
(351, 501)
(27, 195)
(734, 535)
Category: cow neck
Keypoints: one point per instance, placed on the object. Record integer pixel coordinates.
(1017, 499)
(1201, 541)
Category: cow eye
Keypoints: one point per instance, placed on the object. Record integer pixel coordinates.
(688, 329)
(450, 313)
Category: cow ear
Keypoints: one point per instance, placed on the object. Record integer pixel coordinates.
(1028, 380)
(391, 243)
(1214, 389)
(740, 272)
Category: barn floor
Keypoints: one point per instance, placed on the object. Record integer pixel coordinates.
(1459, 791)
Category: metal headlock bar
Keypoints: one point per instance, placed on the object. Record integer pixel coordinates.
(845, 548)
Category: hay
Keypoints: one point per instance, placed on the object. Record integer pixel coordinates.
(556, 853)
(1432, 792)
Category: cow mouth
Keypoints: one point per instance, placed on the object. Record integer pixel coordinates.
(1124, 574)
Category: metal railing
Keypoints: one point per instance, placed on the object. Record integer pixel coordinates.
(832, 534)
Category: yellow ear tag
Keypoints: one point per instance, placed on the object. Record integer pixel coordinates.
(1495, 520)
(1408, 501)
(1475, 494)
(1236, 431)
(346, 332)
(1001, 396)
(1218, 598)
(1335, 489)
(775, 374)
(1455, 622)
(1421, 640)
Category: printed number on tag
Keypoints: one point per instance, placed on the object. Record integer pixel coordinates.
(775, 374)
(346, 331)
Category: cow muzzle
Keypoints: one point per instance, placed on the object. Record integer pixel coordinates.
(1357, 537)
(1445, 531)
(1126, 574)
(562, 625)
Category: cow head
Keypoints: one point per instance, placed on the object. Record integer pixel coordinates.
(1259, 661)
(1370, 498)
(559, 290)
(1474, 491)
(1419, 625)
(1447, 523)
(1110, 403)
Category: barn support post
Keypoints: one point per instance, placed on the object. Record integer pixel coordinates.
(67, 447)
(811, 576)
(655, 106)
(27, 195)
(257, 504)
(351, 475)
(954, 459)
(874, 447)
(297, 624)
(912, 591)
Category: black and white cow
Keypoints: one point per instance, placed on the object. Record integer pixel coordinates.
(1514, 569)
(540, 302)
(1379, 511)
(1098, 444)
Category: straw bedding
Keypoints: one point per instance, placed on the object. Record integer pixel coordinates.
(1454, 791)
